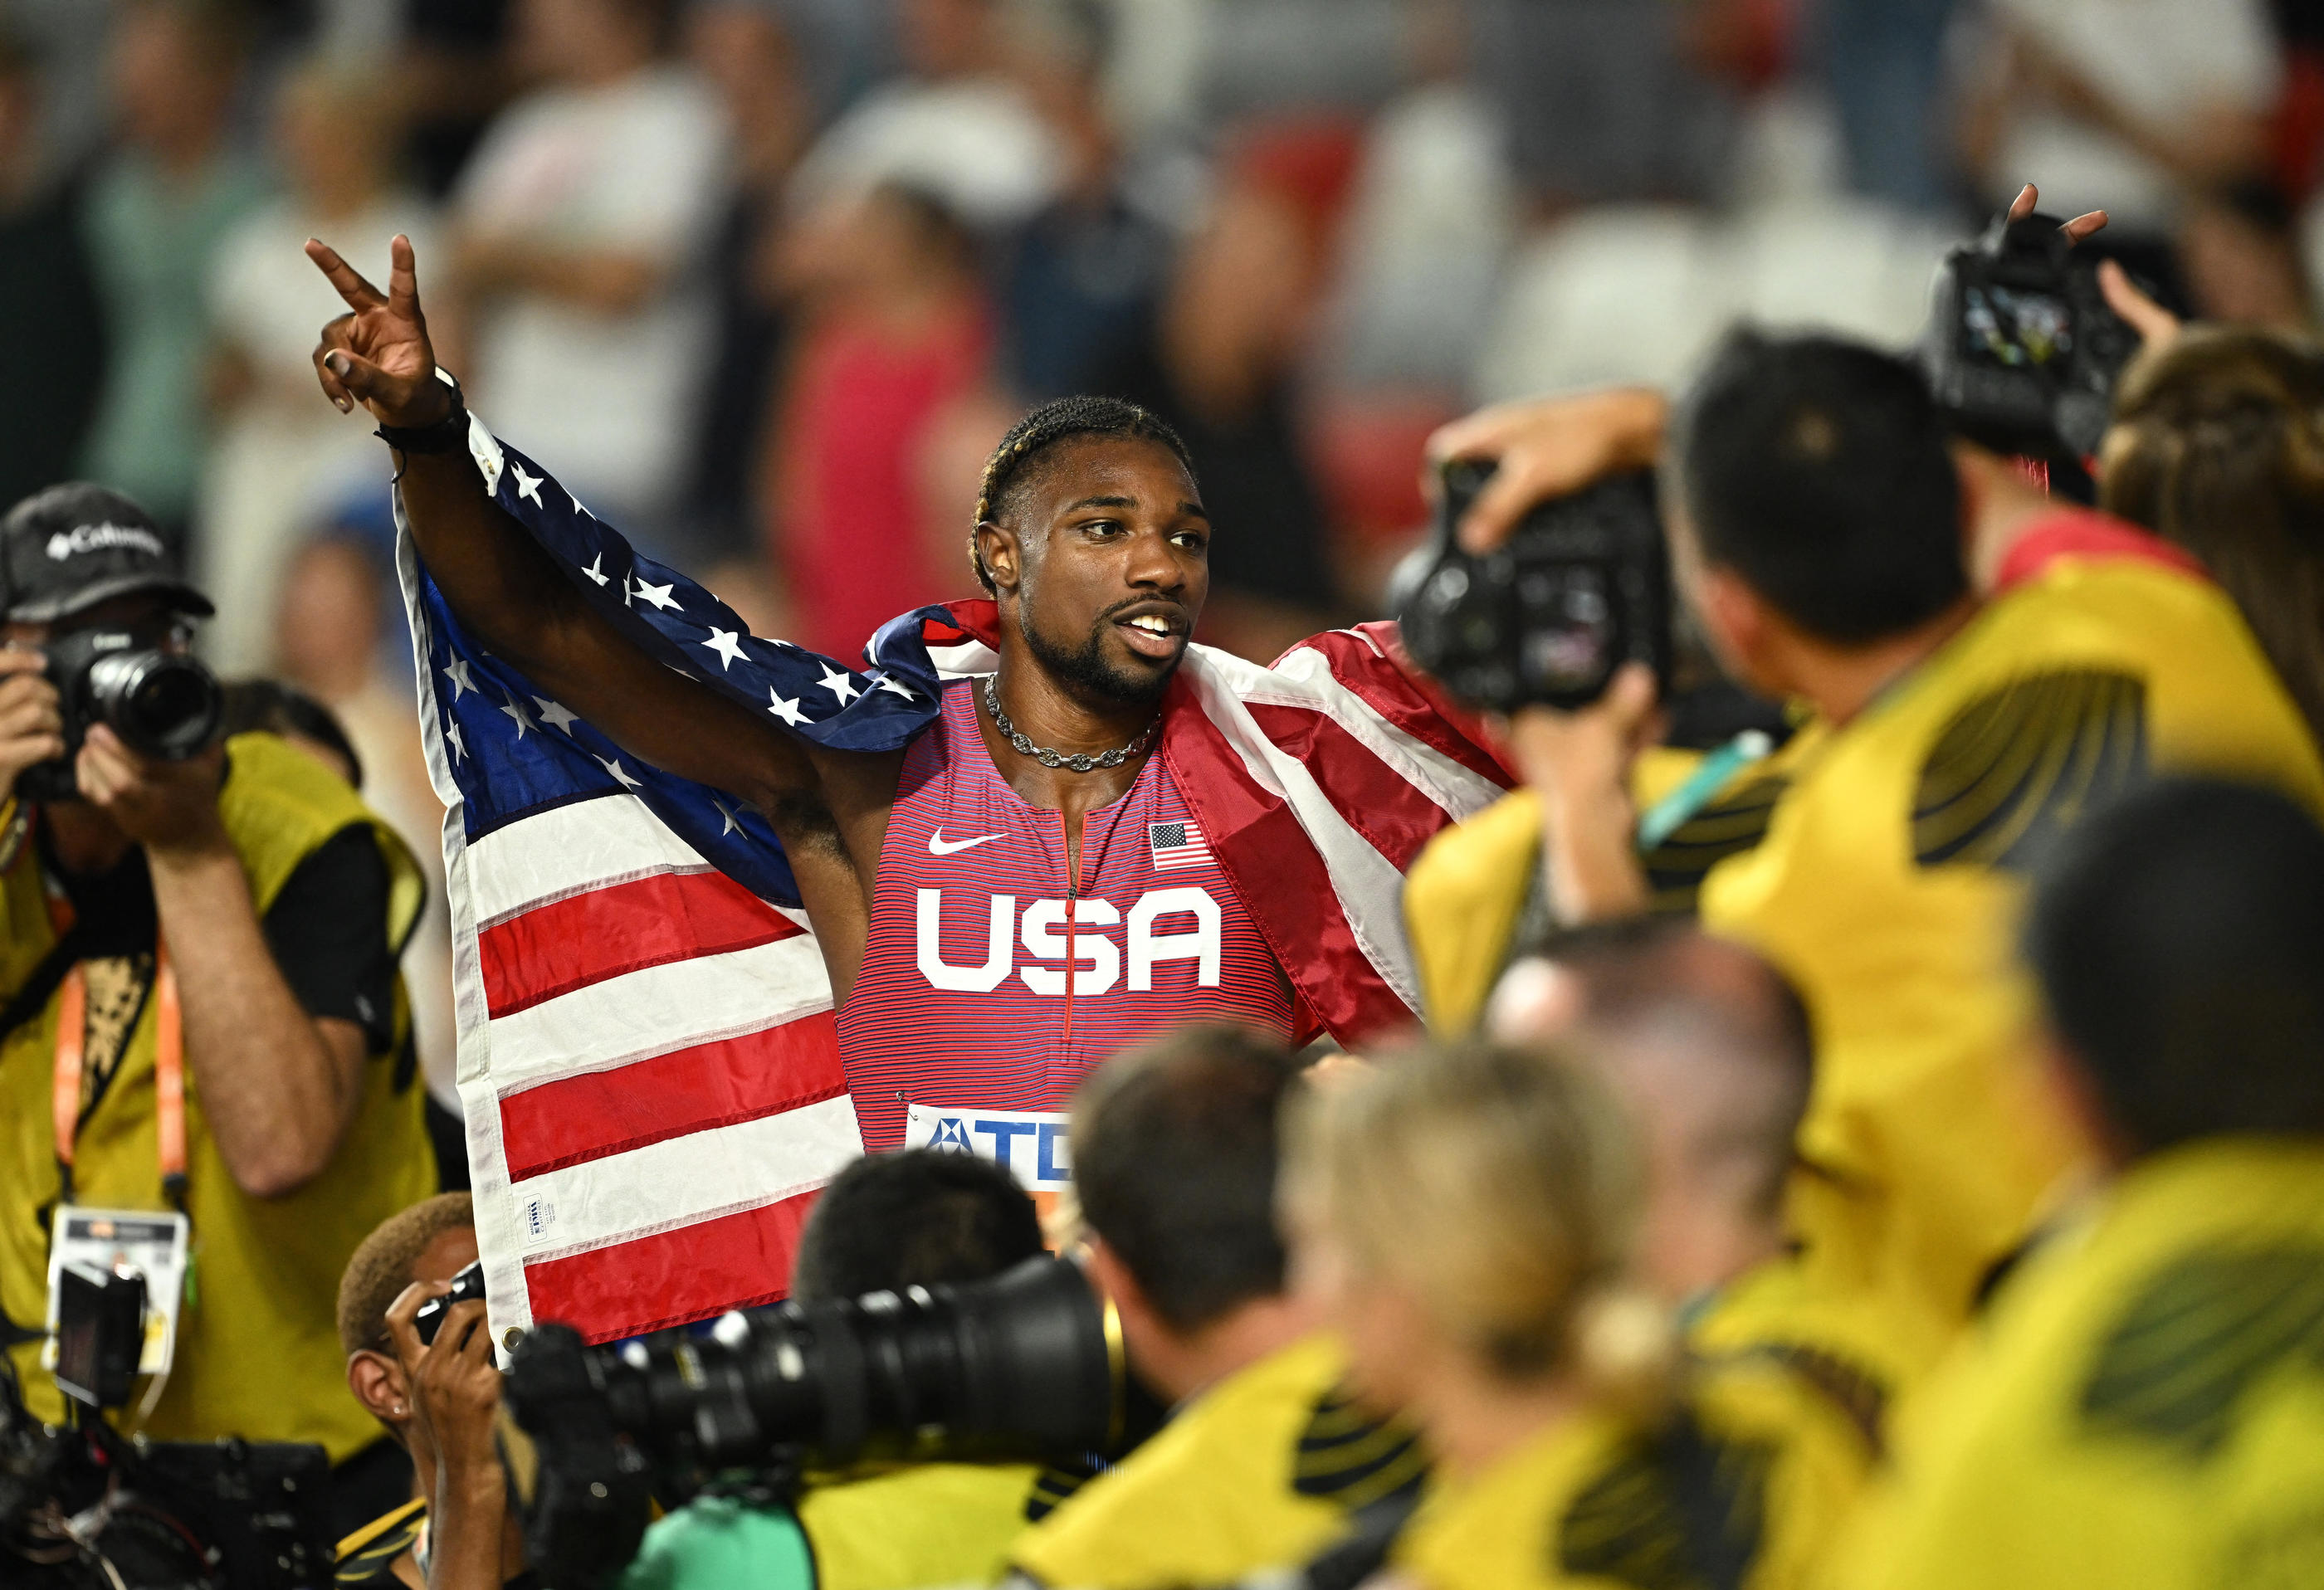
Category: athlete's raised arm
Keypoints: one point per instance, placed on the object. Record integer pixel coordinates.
(506, 590)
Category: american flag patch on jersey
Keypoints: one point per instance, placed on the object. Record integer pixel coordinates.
(1177, 844)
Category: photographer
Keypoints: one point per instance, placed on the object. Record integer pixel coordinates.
(2143, 1410)
(203, 1017)
(432, 1241)
(1467, 1219)
(921, 1217)
(1265, 1458)
(1708, 1049)
(472, 1540)
(2218, 445)
(1825, 529)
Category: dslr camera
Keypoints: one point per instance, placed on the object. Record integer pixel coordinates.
(2021, 350)
(86, 1509)
(1549, 617)
(1027, 1364)
(467, 1287)
(164, 704)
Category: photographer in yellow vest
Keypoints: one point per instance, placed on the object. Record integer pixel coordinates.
(2143, 1409)
(1269, 1456)
(201, 1024)
(888, 1222)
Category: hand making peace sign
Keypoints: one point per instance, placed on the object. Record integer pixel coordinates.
(378, 354)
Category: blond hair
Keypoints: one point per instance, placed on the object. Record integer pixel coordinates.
(379, 1270)
(1501, 1189)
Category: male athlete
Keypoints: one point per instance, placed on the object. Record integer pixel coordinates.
(1027, 885)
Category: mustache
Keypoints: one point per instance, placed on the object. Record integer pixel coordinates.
(1122, 607)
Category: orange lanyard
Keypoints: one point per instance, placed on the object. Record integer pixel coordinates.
(169, 1075)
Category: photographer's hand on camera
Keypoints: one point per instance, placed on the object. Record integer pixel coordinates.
(31, 729)
(170, 808)
(1547, 447)
(1579, 763)
(455, 1388)
(2155, 324)
(280, 1088)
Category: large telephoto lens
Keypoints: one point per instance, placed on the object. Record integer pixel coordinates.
(1018, 1365)
(162, 704)
(1025, 1365)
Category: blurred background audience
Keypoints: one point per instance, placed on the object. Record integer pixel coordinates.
(694, 249)
(580, 240)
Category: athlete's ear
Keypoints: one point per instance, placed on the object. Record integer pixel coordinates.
(997, 545)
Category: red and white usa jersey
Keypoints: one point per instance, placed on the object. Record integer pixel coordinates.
(994, 980)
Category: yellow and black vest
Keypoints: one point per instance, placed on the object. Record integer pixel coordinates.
(1474, 888)
(1264, 1470)
(1743, 1488)
(258, 1352)
(2144, 1408)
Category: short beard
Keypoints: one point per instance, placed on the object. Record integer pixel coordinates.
(1083, 671)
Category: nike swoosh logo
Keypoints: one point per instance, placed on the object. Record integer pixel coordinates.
(939, 847)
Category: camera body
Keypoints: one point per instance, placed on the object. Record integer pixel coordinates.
(164, 704)
(2022, 350)
(1026, 1364)
(100, 1333)
(1582, 587)
(157, 1515)
(467, 1287)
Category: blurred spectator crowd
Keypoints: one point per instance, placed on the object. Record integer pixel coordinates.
(768, 277)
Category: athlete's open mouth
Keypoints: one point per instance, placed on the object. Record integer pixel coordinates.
(1154, 630)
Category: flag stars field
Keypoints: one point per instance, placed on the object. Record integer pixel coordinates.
(726, 643)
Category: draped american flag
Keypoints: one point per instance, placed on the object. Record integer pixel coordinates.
(648, 1066)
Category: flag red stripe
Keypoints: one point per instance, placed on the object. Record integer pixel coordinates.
(623, 927)
(1411, 702)
(1275, 868)
(675, 1277)
(1376, 801)
(588, 1116)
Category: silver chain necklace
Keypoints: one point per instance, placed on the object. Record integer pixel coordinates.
(1080, 761)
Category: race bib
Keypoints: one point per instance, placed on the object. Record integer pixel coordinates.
(151, 1242)
(1031, 1148)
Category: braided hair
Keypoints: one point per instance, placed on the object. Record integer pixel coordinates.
(1061, 420)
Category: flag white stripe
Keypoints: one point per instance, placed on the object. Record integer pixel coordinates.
(1367, 885)
(1304, 679)
(570, 849)
(508, 1302)
(686, 1180)
(657, 1010)
(964, 660)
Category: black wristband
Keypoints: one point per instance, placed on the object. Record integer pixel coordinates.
(448, 435)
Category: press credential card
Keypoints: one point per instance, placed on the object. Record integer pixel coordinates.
(150, 1242)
